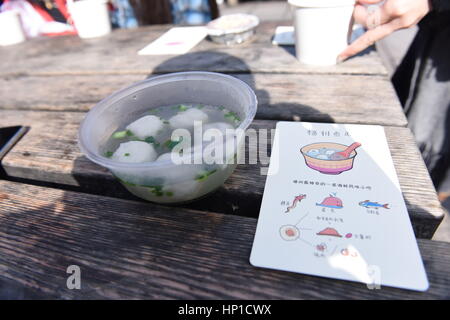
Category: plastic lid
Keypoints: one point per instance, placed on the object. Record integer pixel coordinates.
(321, 3)
(232, 23)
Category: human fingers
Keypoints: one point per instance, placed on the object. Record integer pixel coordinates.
(368, 39)
(371, 16)
(368, 1)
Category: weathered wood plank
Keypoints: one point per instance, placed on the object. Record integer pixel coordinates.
(49, 152)
(129, 249)
(117, 54)
(326, 98)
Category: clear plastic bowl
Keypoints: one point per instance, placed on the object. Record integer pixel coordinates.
(164, 181)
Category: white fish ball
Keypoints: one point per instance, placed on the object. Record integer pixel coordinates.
(185, 119)
(146, 126)
(135, 152)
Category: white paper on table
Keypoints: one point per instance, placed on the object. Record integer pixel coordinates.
(284, 36)
(371, 242)
(178, 40)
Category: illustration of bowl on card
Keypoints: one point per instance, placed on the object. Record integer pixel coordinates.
(332, 202)
(330, 157)
(331, 232)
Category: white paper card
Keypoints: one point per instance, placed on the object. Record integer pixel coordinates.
(177, 40)
(343, 219)
(284, 36)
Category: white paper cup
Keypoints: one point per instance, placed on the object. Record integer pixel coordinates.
(322, 29)
(90, 17)
(11, 31)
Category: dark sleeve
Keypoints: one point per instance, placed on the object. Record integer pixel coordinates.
(215, 9)
(440, 5)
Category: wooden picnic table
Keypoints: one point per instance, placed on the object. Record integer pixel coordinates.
(57, 208)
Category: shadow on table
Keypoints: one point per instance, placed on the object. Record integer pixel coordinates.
(369, 50)
(202, 61)
(10, 290)
(424, 223)
(240, 202)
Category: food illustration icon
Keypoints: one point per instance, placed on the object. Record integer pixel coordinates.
(331, 232)
(330, 157)
(373, 205)
(289, 232)
(322, 247)
(349, 253)
(332, 202)
(297, 199)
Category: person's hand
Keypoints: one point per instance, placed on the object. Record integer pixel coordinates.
(382, 21)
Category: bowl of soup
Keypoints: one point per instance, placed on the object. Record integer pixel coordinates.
(171, 138)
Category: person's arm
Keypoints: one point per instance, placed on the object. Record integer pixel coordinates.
(388, 17)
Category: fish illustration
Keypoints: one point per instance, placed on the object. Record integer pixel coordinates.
(370, 204)
(294, 203)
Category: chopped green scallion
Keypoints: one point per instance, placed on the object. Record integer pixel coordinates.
(232, 116)
(204, 175)
(122, 134)
(182, 107)
(170, 144)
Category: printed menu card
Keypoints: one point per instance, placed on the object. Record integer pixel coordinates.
(332, 207)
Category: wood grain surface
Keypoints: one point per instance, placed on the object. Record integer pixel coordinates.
(128, 249)
(116, 53)
(49, 153)
(309, 97)
(63, 209)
